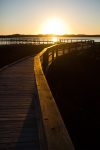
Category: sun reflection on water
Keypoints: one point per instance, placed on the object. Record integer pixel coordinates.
(54, 39)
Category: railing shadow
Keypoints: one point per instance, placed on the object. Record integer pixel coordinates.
(28, 139)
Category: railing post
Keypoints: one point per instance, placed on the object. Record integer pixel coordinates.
(56, 52)
(63, 51)
(69, 47)
(45, 61)
(81, 44)
(88, 44)
(52, 55)
(76, 45)
(93, 43)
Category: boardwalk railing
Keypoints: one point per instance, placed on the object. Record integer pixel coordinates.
(55, 133)
(24, 40)
(65, 46)
(35, 40)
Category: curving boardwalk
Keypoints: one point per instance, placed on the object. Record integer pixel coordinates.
(29, 117)
(18, 121)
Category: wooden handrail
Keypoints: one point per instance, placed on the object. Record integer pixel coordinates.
(30, 40)
(60, 49)
(55, 135)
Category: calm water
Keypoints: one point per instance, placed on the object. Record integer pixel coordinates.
(30, 40)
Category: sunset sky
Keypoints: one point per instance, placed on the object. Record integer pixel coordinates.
(49, 16)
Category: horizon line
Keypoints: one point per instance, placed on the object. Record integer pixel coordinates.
(49, 34)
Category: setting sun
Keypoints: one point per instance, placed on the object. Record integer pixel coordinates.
(55, 26)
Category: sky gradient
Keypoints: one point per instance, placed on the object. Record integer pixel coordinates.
(29, 16)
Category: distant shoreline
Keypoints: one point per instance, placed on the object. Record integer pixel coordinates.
(48, 35)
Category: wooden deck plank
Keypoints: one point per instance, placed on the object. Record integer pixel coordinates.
(18, 122)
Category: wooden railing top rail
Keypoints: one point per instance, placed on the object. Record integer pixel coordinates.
(56, 135)
(30, 40)
(49, 55)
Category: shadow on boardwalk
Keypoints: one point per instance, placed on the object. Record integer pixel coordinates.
(28, 139)
(18, 118)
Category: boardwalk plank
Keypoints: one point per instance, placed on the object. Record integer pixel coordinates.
(18, 122)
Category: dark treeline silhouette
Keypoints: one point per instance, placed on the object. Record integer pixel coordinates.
(48, 35)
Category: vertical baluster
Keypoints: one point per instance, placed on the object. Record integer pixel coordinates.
(63, 51)
(45, 60)
(92, 43)
(81, 44)
(56, 52)
(52, 55)
(76, 45)
(69, 47)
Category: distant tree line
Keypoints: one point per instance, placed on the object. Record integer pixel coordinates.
(48, 35)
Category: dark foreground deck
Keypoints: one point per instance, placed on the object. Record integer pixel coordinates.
(18, 121)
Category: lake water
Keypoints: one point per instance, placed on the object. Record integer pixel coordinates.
(35, 40)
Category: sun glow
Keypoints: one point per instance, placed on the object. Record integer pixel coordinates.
(54, 26)
(54, 39)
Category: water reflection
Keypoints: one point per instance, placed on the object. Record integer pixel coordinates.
(40, 40)
(54, 39)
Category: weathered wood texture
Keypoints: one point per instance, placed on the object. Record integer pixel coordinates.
(18, 121)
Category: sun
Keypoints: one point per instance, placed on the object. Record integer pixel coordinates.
(54, 26)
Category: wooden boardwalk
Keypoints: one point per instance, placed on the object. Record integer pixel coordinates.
(18, 121)
(29, 117)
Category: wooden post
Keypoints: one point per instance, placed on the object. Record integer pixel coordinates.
(76, 46)
(93, 43)
(63, 50)
(87, 44)
(69, 47)
(52, 55)
(56, 52)
(45, 61)
(81, 44)
(71, 40)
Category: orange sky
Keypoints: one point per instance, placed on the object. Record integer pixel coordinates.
(33, 17)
